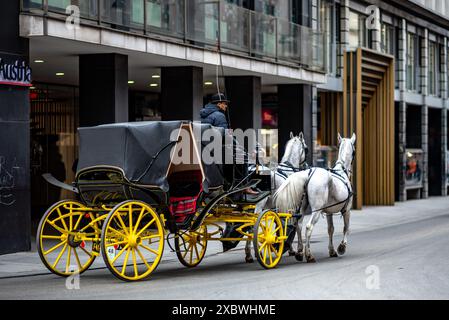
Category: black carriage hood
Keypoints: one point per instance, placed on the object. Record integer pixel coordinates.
(140, 149)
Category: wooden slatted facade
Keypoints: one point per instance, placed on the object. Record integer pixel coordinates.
(366, 108)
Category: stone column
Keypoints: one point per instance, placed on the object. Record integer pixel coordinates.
(14, 139)
(245, 108)
(296, 114)
(425, 112)
(344, 32)
(182, 93)
(103, 81)
(402, 136)
(444, 95)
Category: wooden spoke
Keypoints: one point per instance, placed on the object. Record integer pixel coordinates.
(187, 251)
(116, 231)
(86, 252)
(115, 243)
(143, 258)
(59, 256)
(55, 247)
(262, 246)
(51, 237)
(138, 220)
(122, 223)
(119, 254)
(77, 259)
(149, 249)
(136, 273)
(67, 265)
(130, 215)
(125, 262)
(62, 219)
(146, 226)
(78, 221)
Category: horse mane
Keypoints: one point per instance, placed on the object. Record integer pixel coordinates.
(289, 194)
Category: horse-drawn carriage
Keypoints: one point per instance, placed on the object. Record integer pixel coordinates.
(132, 195)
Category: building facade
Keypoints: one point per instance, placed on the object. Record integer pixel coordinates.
(286, 65)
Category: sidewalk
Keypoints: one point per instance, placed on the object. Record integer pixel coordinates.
(370, 218)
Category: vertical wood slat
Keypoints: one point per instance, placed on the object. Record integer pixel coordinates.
(374, 126)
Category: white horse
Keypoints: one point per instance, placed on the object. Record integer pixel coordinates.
(293, 160)
(326, 191)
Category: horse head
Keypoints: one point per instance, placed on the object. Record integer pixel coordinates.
(295, 151)
(346, 152)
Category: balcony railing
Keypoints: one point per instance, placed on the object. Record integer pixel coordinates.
(205, 23)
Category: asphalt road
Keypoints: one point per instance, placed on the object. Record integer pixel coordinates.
(410, 258)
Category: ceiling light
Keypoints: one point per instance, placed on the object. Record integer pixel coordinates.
(59, 74)
(155, 76)
(32, 88)
(153, 84)
(208, 83)
(38, 61)
(130, 81)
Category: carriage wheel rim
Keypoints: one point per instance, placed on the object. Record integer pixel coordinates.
(268, 243)
(77, 257)
(126, 234)
(191, 249)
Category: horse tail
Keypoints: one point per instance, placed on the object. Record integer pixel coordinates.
(290, 193)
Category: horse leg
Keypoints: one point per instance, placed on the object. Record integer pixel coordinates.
(300, 252)
(309, 228)
(330, 231)
(342, 247)
(292, 252)
(248, 255)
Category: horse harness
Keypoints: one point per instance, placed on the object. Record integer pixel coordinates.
(335, 173)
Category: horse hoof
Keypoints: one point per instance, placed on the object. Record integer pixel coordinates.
(249, 260)
(311, 259)
(333, 254)
(299, 257)
(291, 253)
(341, 249)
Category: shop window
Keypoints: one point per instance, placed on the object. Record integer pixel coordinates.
(54, 142)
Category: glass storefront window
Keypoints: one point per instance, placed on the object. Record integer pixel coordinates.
(413, 65)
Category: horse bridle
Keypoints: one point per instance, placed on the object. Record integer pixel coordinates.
(346, 170)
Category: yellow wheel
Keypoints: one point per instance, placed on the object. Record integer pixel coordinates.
(268, 239)
(132, 240)
(191, 246)
(67, 239)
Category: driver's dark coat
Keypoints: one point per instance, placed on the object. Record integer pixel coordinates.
(213, 115)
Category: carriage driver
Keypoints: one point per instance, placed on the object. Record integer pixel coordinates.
(214, 113)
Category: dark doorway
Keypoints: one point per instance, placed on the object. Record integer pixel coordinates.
(435, 163)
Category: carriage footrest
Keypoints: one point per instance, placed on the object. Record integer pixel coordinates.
(247, 198)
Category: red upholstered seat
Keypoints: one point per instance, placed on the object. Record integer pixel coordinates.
(185, 188)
